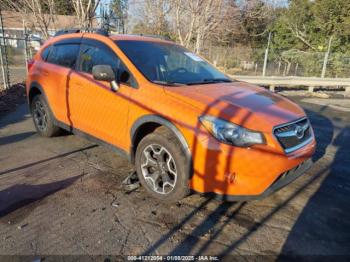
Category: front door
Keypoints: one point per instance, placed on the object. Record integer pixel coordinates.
(92, 106)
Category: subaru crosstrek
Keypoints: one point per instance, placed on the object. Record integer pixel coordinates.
(181, 122)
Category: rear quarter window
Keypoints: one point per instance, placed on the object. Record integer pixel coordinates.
(45, 53)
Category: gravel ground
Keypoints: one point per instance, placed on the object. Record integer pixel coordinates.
(11, 98)
(62, 196)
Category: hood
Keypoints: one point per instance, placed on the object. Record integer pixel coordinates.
(241, 103)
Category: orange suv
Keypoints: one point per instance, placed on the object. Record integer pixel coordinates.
(181, 122)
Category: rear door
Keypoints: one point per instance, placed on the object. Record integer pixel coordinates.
(93, 107)
(59, 59)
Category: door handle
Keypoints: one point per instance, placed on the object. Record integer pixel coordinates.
(45, 72)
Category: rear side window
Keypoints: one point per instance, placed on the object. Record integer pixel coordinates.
(64, 55)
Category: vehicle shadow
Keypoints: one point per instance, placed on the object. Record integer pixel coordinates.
(323, 227)
(19, 115)
(20, 195)
(324, 137)
(46, 160)
(5, 140)
(324, 132)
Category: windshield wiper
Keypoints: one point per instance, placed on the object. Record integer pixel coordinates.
(210, 81)
(168, 83)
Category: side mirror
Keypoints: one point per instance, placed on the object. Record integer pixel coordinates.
(103, 73)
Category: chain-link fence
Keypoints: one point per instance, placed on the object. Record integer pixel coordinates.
(241, 60)
(236, 60)
(17, 46)
(15, 52)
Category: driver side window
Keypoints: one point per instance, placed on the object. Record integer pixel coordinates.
(91, 55)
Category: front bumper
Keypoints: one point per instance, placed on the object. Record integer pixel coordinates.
(282, 181)
(245, 173)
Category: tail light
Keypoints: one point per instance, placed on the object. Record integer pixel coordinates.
(30, 63)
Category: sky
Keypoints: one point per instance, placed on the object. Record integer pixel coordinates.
(134, 5)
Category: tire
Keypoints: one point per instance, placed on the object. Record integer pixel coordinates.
(43, 118)
(160, 157)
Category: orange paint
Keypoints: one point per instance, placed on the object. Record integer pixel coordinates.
(78, 100)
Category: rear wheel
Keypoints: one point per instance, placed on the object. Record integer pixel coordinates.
(162, 167)
(42, 117)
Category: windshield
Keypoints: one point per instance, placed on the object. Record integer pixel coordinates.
(166, 63)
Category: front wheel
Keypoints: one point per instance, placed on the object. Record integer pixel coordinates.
(162, 167)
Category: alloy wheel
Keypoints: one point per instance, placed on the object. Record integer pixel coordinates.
(40, 115)
(158, 169)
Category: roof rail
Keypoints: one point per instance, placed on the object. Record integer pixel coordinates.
(67, 31)
(163, 37)
(99, 31)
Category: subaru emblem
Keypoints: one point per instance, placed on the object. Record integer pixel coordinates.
(299, 132)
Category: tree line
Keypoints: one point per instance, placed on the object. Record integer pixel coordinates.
(302, 31)
(43, 13)
(305, 35)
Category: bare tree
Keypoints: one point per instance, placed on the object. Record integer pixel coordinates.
(256, 16)
(301, 34)
(185, 16)
(85, 12)
(194, 23)
(39, 14)
(198, 20)
(119, 14)
(153, 16)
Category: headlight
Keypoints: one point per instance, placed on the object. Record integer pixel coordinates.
(230, 133)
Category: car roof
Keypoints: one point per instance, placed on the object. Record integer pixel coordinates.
(139, 38)
(115, 37)
(131, 37)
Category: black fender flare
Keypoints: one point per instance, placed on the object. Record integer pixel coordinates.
(161, 121)
(35, 84)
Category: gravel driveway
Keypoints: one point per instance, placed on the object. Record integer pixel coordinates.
(62, 196)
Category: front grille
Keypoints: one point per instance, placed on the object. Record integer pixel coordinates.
(294, 135)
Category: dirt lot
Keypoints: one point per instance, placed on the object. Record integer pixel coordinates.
(11, 98)
(62, 196)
